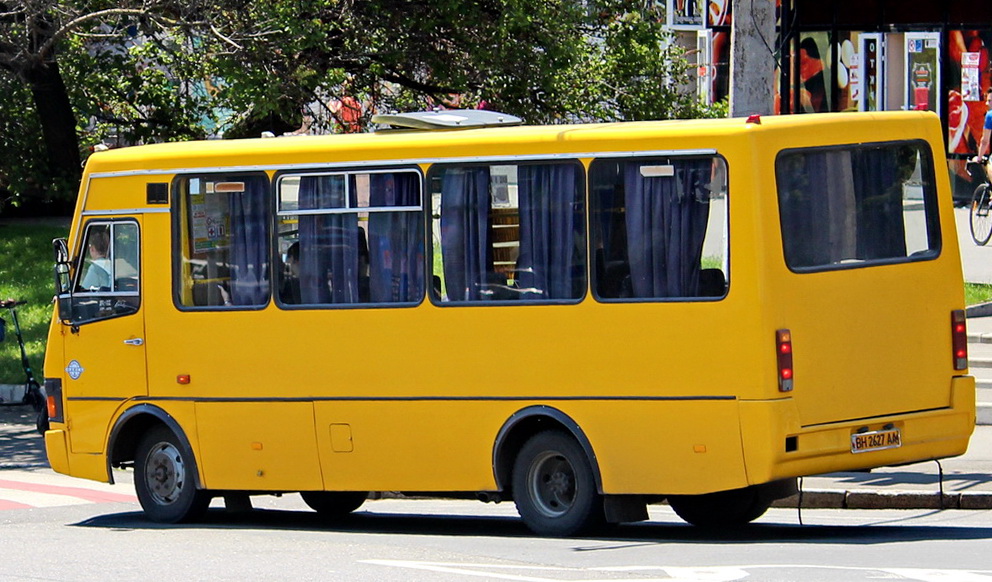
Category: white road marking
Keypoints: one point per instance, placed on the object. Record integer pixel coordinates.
(672, 573)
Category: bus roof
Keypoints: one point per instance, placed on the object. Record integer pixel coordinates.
(406, 146)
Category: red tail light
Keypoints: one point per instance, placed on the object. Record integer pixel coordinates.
(959, 339)
(783, 350)
(53, 393)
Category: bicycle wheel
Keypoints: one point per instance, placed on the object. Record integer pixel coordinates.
(981, 218)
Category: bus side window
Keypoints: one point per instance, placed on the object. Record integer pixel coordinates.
(659, 228)
(509, 232)
(223, 254)
(350, 238)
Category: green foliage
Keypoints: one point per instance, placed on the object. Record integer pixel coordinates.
(975, 293)
(23, 169)
(146, 71)
(26, 273)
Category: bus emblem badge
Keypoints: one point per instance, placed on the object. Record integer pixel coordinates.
(74, 370)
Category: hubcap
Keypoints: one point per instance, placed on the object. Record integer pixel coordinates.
(165, 473)
(552, 484)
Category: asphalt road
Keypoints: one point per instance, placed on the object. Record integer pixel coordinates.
(435, 540)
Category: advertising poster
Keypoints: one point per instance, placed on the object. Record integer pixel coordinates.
(922, 71)
(968, 79)
(971, 89)
(871, 72)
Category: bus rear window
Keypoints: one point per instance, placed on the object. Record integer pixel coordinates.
(858, 204)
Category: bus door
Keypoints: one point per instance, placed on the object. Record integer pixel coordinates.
(103, 329)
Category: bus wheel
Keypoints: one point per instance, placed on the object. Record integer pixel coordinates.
(334, 504)
(163, 479)
(554, 488)
(721, 509)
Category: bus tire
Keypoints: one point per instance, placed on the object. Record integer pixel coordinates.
(334, 504)
(731, 508)
(554, 488)
(164, 479)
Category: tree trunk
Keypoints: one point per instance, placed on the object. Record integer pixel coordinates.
(58, 122)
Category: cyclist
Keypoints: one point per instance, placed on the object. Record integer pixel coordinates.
(983, 146)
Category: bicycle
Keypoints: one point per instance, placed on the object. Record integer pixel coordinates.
(981, 204)
(34, 395)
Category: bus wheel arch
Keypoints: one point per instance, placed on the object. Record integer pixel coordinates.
(525, 424)
(128, 430)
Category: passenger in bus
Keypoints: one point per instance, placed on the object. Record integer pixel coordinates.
(289, 291)
(97, 275)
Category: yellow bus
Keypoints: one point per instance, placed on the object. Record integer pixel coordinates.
(584, 319)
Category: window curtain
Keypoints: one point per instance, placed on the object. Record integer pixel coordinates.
(249, 244)
(465, 247)
(328, 243)
(804, 199)
(396, 242)
(666, 224)
(549, 227)
(878, 180)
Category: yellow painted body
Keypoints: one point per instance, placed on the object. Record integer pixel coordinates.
(673, 397)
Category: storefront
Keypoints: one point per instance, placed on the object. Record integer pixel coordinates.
(865, 55)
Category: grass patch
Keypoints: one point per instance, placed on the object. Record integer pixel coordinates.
(975, 293)
(26, 273)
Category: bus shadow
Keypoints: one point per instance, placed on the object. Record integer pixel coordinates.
(650, 532)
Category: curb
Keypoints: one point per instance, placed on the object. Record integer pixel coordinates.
(980, 310)
(839, 499)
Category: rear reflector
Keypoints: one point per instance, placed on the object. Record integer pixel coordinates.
(959, 339)
(783, 350)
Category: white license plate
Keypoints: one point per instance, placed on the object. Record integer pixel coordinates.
(877, 440)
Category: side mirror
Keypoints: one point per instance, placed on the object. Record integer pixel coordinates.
(63, 278)
(61, 248)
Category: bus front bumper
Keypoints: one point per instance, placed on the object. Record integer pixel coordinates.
(62, 460)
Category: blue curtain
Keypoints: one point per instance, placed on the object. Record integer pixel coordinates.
(666, 224)
(550, 224)
(465, 247)
(805, 207)
(396, 241)
(250, 243)
(328, 243)
(822, 224)
(878, 180)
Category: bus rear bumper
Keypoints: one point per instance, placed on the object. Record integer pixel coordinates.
(776, 446)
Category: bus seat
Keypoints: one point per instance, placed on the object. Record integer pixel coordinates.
(712, 283)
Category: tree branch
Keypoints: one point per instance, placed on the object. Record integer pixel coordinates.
(75, 23)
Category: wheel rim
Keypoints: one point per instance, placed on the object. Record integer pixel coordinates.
(165, 473)
(981, 219)
(551, 480)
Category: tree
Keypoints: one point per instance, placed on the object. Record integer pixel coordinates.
(154, 70)
(75, 73)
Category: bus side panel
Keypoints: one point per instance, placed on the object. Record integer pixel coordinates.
(247, 445)
(673, 447)
(409, 445)
(664, 447)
